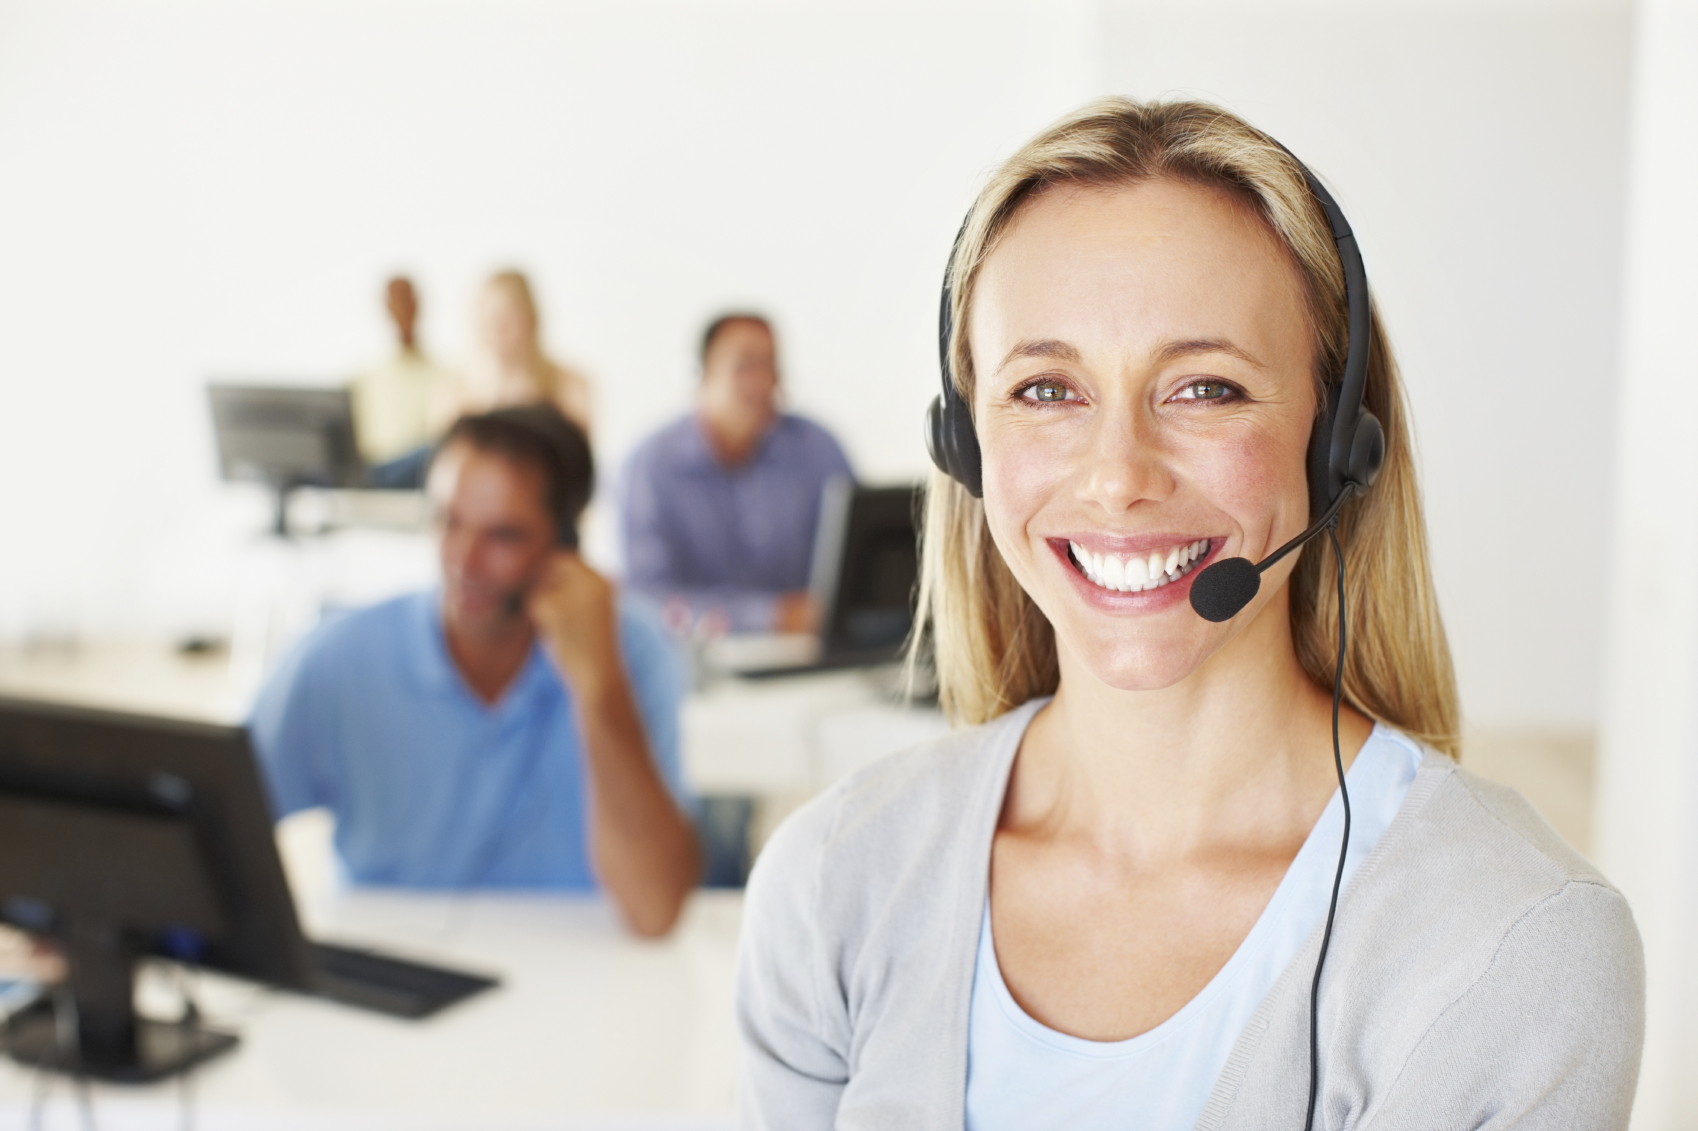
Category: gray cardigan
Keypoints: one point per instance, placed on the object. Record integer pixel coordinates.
(1482, 973)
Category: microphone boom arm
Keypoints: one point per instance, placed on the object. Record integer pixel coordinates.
(1328, 517)
(1222, 590)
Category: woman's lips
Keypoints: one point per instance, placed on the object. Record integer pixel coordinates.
(1139, 571)
(1168, 589)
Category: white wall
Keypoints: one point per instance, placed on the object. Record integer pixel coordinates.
(1647, 811)
(199, 188)
(1479, 153)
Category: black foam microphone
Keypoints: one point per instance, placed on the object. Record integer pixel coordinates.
(1221, 591)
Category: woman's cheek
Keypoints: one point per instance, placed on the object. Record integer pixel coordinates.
(1258, 479)
(1022, 471)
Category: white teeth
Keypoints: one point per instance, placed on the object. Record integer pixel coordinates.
(1113, 572)
(1141, 573)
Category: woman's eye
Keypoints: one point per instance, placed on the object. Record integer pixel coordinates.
(1045, 391)
(1206, 391)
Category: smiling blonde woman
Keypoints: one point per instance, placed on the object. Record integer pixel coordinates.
(1101, 902)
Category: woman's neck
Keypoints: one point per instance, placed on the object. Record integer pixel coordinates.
(1240, 752)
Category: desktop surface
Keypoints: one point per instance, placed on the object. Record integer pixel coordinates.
(591, 1027)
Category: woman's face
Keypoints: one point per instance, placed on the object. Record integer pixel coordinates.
(505, 326)
(1144, 396)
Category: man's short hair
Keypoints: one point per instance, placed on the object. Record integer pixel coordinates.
(536, 436)
(725, 320)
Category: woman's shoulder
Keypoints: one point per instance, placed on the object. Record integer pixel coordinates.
(570, 391)
(1481, 966)
(1458, 818)
(1472, 885)
(905, 818)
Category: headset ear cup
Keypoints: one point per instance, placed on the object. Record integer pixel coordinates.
(1320, 437)
(953, 444)
(934, 436)
(1367, 451)
(964, 446)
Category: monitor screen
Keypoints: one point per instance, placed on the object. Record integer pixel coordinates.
(866, 564)
(286, 437)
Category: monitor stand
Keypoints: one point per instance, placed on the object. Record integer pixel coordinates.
(280, 493)
(102, 1037)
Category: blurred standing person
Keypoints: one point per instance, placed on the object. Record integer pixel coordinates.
(510, 367)
(405, 403)
(718, 509)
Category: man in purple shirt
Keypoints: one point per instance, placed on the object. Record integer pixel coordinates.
(719, 507)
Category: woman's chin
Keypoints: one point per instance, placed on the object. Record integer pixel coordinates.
(1143, 664)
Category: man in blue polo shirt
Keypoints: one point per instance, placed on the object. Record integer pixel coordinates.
(517, 727)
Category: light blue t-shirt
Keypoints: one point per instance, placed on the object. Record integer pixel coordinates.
(1022, 1074)
(431, 787)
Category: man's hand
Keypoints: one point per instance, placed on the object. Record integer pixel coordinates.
(572, 609)
(643, 847)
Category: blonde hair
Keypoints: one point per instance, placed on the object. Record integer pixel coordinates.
(992, 646)
(518, 285)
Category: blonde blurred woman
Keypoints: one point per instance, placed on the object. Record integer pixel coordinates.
(510, 367)
(1100, 904)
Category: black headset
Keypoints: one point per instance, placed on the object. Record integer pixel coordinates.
(1346, 452)
(1346, 448)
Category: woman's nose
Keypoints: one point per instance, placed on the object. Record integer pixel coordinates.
(1126, 462)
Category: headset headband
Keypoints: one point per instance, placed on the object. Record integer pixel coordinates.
(1347, 445)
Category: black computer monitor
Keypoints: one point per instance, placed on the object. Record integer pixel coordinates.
(123, 836)
(285, 437)
(866, 564)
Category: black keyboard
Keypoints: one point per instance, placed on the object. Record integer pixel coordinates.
(394, 986)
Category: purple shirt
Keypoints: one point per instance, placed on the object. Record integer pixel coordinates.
(725, 538)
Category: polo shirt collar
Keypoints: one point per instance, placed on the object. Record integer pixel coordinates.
(432, 666)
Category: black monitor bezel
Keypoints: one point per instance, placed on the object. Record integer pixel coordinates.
(94, 756)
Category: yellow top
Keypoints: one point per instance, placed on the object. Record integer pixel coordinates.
(401, 405)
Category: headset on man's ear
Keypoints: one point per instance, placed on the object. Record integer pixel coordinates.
(1346, 447)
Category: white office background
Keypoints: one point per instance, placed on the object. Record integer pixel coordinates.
(202, 189)
(191, 190)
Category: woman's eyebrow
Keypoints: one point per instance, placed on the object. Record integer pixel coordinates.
(1173, 351)
(1058, 350)
(1052, 348)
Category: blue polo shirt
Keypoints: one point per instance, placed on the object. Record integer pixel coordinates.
(430, 786)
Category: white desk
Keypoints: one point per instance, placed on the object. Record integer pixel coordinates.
(794, 736)
(590, 1029)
